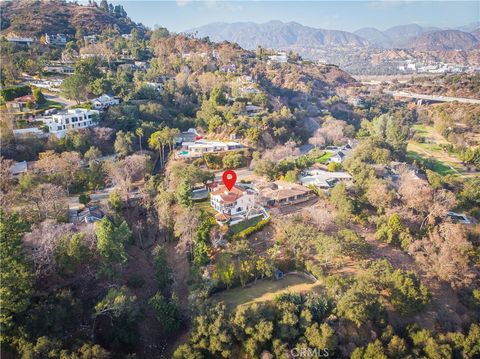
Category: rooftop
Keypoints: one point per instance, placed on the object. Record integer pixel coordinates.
(229, 196)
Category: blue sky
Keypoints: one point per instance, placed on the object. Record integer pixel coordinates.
(181, 15)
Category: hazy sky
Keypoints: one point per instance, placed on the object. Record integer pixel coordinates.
(181, 15)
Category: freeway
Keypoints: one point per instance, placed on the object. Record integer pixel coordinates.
(438, 98)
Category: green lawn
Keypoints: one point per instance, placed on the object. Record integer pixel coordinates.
(324, 158)
(265, 290)
(205, 206)
(245, 224)
(431, 154)
(439, 167)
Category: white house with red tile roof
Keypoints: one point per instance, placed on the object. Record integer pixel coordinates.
(237, 201)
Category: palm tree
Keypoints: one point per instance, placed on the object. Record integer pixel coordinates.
(155, 142)
(139, 132)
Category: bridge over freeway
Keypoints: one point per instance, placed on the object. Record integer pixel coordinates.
(435, 98)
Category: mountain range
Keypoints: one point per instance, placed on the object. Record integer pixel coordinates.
(279, 35)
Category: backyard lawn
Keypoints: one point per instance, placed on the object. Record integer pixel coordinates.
(204, 206)
(265, 290)
(324, 158)
(245, 224)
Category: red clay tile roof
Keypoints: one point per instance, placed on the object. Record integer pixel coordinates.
(26, 98)
(229, 196)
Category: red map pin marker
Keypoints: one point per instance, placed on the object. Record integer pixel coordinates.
(229, 178)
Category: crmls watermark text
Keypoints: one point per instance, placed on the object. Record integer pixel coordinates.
(309, 352)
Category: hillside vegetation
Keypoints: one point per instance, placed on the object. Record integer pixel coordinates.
(35, 18)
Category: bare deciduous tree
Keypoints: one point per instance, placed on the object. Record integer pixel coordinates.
(64, 167)
(44, 238)
(445, 253)
(125, 172)
(47, 201)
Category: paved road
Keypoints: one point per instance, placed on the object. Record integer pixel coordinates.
(432, 97)
(59, 99)
(242, 173)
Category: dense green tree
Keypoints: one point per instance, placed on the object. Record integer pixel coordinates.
(321, 336)
(15, 276)
(111, 241)
(408, 294)
(166, 312)
(360, 304)
(72, 252)
(341, 200)
(74, 88)
(184, 194)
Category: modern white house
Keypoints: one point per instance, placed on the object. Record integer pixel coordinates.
(103, 102)
(56, 39)
(90, 39)
(59, 124)
(236, 202)
(59, 69)
(201, 147)
(21, 40)
(280, 57)
(323, 179)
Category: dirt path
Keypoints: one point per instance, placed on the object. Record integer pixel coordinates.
(444, 309)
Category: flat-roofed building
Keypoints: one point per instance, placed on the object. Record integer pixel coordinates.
(60, 123)
(280, 193)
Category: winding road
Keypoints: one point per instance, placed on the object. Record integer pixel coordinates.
(438, 98)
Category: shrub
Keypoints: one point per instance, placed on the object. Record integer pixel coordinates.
(11, 93)
(84, 199)
(250, 230)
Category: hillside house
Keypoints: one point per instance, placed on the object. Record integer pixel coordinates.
(280, 57)
(201, 147)
(59, 69)
(191, 135)
(89, 215)
(21, 40)
(56, 39)
(237, 201)
(140, 65)
(323, 179)
(338, 157)
(280, 193)
(22, 102)
(103, 102)
(60, 123)
(90, 39)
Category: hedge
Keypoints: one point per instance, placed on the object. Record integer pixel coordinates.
(11, 93)
(246, 232)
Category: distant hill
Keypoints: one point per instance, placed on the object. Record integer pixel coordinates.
(35, 18)
(476, 33)
(375, 37)
(276, 34)
(402, 36)
(291, 35)
(445, 40)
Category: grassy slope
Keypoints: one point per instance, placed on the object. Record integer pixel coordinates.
(265, 290)
(442, 162)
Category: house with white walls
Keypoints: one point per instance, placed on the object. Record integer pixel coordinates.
(60, 123)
